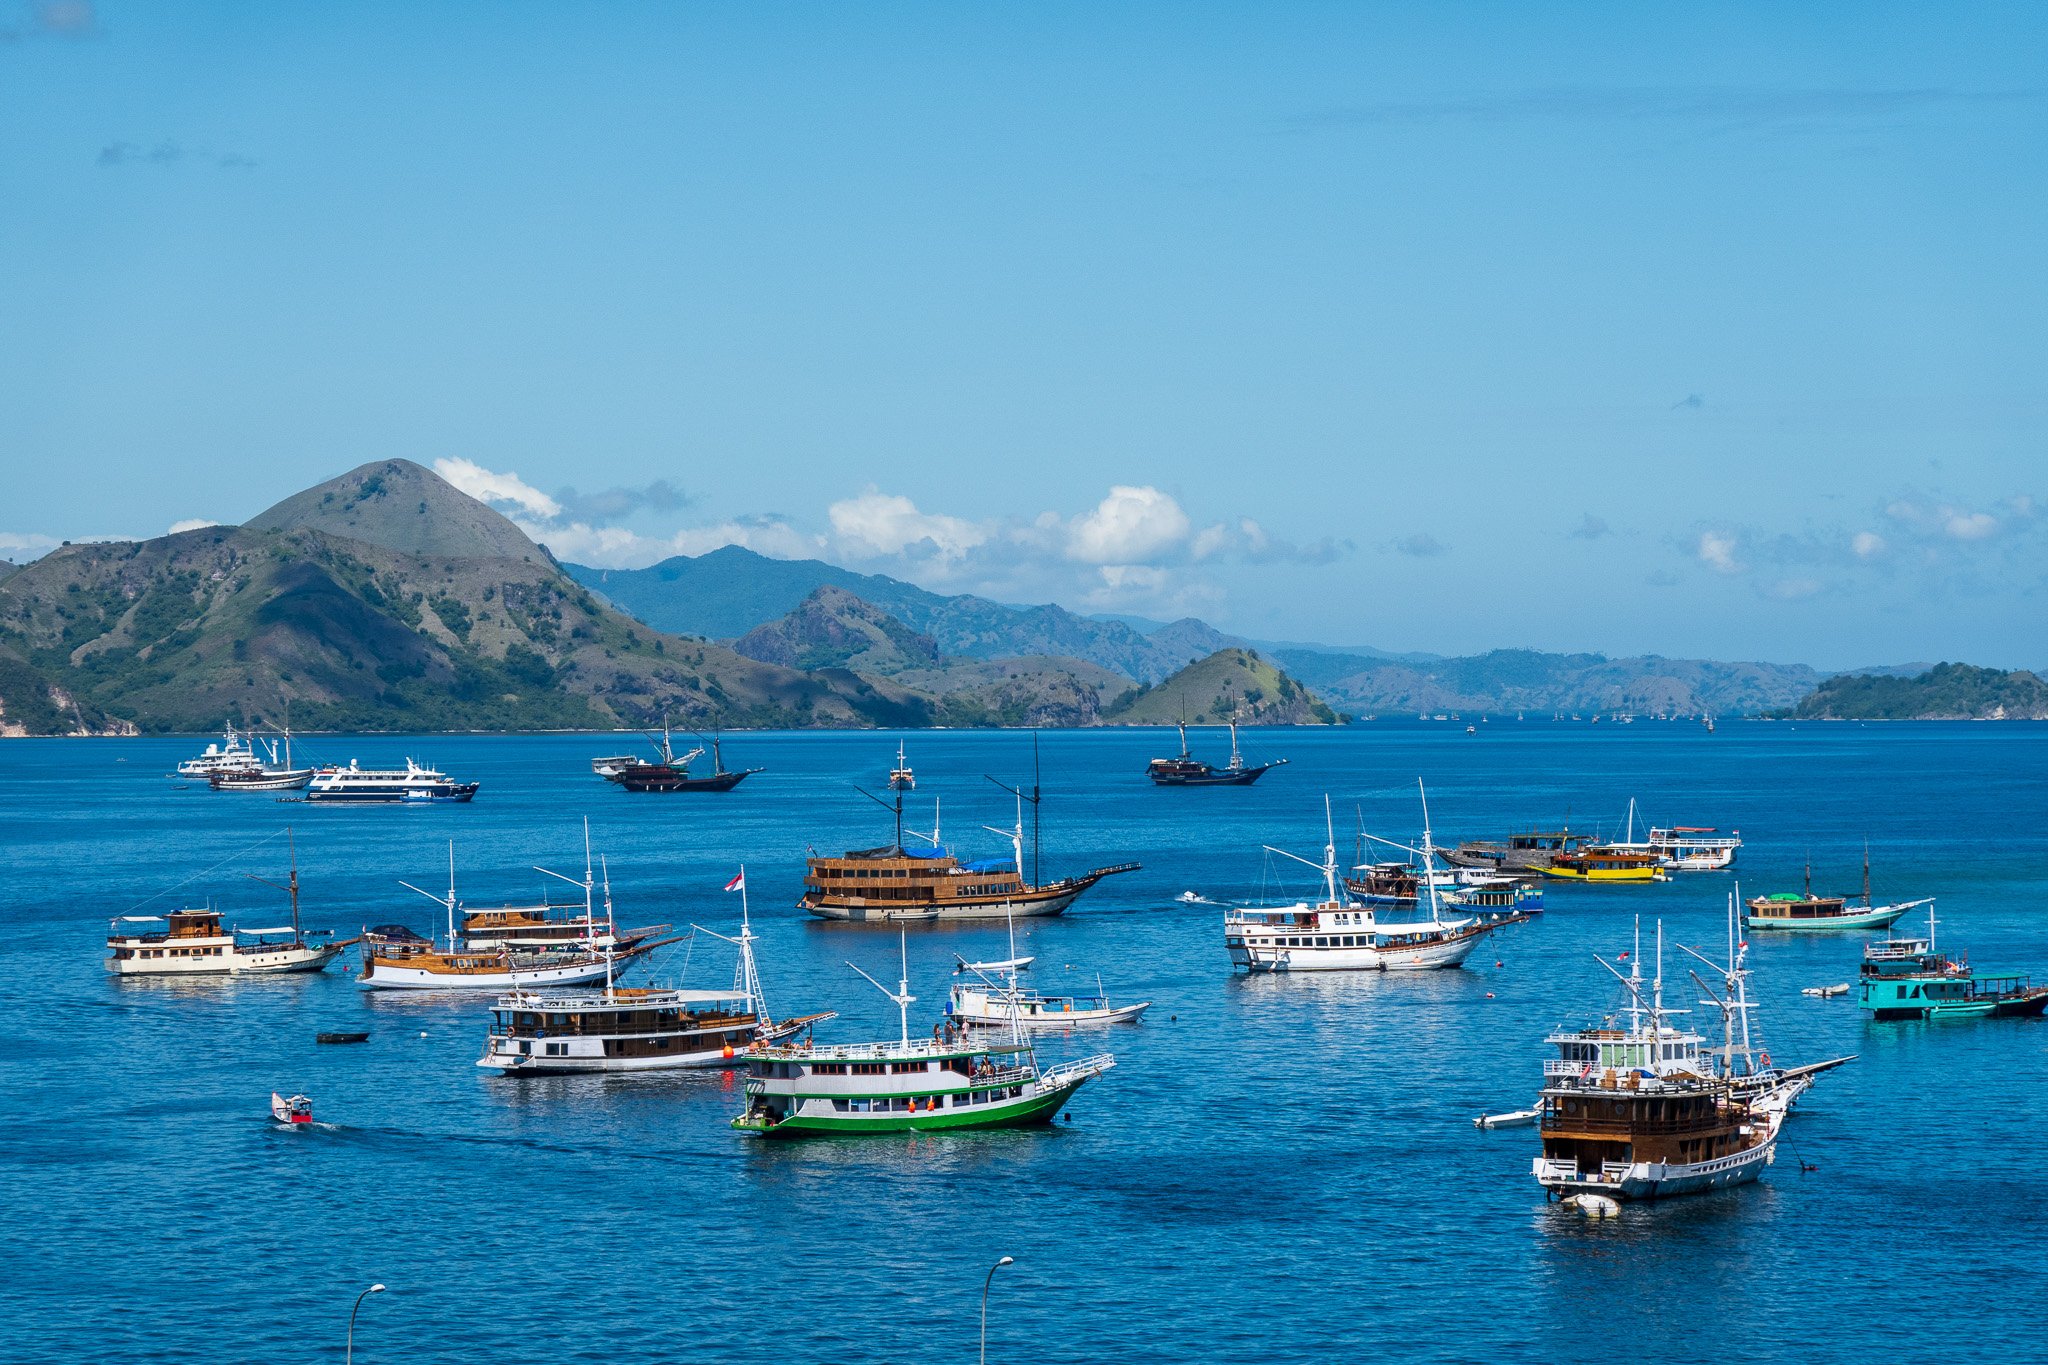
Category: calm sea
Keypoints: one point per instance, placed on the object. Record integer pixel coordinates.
(1276, 1170)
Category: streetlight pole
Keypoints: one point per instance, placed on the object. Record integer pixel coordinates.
(1007, 1260)
(350, 1352)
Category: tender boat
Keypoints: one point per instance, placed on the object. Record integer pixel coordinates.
(194, 942)
(894, 884)
(1807, 912)
(1185, 770)
(1342, 935)
(950, 1083)
(623, 1028)
(410, 785)
(294, 1110)
(1905, 978)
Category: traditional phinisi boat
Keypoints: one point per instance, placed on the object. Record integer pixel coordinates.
(1638, 1113)
(1338, 934)
(1807, 913)
(1905, 978)
(1185, 770)
(951, 1082)
(194, 942)
(1530, 851)
(627, 1028)
(271, 776)
(895, 883)
(395, 958)
(670, 772)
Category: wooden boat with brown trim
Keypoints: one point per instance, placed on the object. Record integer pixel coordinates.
(894, 884)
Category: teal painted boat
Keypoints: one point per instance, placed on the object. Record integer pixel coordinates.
(1808, 913)
(1905, 978)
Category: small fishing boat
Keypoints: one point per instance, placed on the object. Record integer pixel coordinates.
(1807, 912)
(995, 999)
(293, 1109)
(1185, 770)
(1905, 978)
(949, 1083)
(360, 1036)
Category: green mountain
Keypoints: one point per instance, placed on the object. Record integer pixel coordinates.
(1230, 683)
(1944, 692)
(435, 613)
(730, 591)
(1517, 680)
(832, 628)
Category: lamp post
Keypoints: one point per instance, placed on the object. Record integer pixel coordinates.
(1007, 1260)
(350, 1352)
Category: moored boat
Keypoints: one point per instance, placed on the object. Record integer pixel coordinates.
(1185, 770)
(948, 1083)
(991, 995)
(1606, 864)
(1906, 978)
(410, 785)
(896, 884)
(232, 754)
(195, 942)
(1807, 913)
(1528, 851)
(670, 772)
(271, 776)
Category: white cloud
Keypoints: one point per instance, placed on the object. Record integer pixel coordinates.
(21, 546)
(488, 485)
(1969, 525)
(1133, 525)
(878, 523)
(1868, 545)
(190, 524)
(1717, 552)
(615, 547)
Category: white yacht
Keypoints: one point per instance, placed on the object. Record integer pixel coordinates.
(1338, 934)
(410, 785)
(233, 754)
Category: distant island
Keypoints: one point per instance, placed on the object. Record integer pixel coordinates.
(1944, 692)
(386, 599)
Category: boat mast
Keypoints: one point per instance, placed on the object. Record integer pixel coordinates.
(901, 995)
(1034, 798)
(291, 843)
(1428, 856)
(451, 892)
(611, 935)
(1329, 845)
(1866, 874)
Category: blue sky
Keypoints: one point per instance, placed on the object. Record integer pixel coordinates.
(1610, 327)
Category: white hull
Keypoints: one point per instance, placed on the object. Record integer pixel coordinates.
(1656, 1179)
(229, 963)
(385, 977)
(884, 913)
(586, 1055)
(1257, 957)
(1054, 1019)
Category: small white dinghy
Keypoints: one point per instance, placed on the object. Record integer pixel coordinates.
(1827, 992)
(1593, 1205)
(296, 1109)
(1519, 1118)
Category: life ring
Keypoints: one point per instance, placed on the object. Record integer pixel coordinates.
(1764, 1057)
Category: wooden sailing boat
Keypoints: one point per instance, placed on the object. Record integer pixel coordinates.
(1807, 912)
(1185, 770)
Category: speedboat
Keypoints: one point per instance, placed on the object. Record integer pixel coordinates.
(296, 1109)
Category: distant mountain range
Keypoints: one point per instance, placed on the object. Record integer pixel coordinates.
(1943, 692)
(733, 592)
(386, 599)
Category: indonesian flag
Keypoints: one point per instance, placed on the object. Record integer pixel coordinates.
(1622, 958)
(738, 883)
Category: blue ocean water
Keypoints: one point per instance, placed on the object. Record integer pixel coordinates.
(1276, 1170)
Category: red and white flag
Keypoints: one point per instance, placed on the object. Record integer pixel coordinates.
(738, 883)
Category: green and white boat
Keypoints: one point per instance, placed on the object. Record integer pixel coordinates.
(948, 1083)
(1807, 913)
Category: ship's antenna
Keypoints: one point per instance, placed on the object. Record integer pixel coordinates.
(291, 844)
(611, 931)
(1034, 798)
(901, 995)
(1329, 836)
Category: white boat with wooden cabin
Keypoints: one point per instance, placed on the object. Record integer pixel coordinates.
(196, 943)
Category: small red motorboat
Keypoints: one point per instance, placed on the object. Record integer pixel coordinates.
(297, 1109)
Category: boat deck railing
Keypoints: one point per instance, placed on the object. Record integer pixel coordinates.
(922, 1049)
(1067, 1073)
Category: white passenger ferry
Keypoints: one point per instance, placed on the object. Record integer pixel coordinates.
(410, 785)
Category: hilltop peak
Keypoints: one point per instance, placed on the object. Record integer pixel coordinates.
(401, 506)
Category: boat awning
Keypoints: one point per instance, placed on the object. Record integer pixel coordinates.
(1008, 964)
(706, 997)
(285, 929)
(141, 919)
